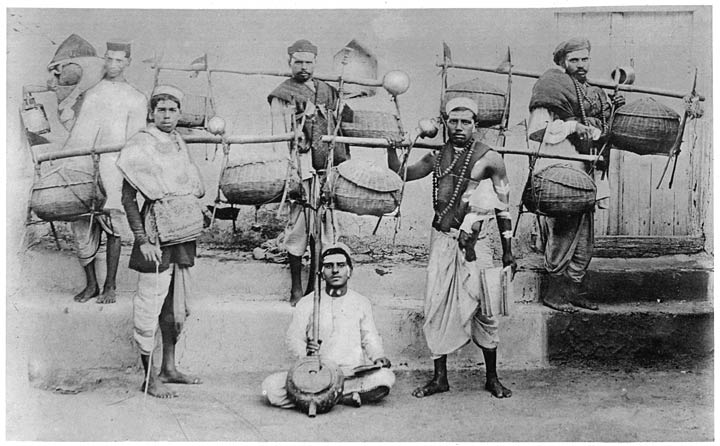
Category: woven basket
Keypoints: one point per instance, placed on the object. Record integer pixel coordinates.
(559, 190)
(364, 188)
(257, 182)
(194, 111)
(645, 127)
(371, 124)
(64, 194)
(490, 100)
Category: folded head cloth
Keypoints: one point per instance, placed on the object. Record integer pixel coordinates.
(302, 46)
(119, 45)
(338, 248)
(168, 89)
(461, 102)
(568, 46)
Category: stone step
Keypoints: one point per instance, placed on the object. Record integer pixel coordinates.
(656, 279)
(226, 334)
(50, 332)
(238, 320)
(642, 333)
(668, 278)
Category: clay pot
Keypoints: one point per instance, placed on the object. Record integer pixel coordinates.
(216, 125)
(396, 82)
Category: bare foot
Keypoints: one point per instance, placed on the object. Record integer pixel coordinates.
(581, 302)
(158, 389)
(558, 304)
(88, 293)
(496, 388)
(176, 377)
(107, 296)
(431, 388)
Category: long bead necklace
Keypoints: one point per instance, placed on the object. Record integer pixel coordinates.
(582, 95)
(467, 153)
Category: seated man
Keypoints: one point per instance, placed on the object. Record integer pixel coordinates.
(342, 313)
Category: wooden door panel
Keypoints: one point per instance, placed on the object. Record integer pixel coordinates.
(657, 43)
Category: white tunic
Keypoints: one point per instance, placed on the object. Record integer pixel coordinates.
(347, 329)
(111, 113)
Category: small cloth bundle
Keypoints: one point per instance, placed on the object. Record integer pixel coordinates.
(364, 188)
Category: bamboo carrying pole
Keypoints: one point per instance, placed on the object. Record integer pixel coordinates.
(323, 77)
(257, 139)
(596, 82)
(383, 143)
(190, 139)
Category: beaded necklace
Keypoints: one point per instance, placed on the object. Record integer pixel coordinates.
(582, 95)
(437, 174)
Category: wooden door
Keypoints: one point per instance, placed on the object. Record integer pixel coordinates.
(662, 47)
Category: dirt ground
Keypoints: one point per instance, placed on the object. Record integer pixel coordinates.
(566, 403)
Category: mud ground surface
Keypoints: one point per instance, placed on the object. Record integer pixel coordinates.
(565, 403)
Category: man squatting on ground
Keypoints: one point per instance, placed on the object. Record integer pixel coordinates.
(574, 115)
(459, 244)
(315, 104)
(347, 336)
(156, 163)
(112, 111)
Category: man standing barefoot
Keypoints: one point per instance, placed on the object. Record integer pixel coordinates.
(156, 163)
(459, 248)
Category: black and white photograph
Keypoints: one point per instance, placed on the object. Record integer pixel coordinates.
(359, 223)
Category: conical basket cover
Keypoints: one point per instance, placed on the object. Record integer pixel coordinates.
(355, 60)
(647, 108)
(370, 176)
(73, 46)
(563, 174)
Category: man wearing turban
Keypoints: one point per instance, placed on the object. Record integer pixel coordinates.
(112, 111)
(470, 189)
(156, 163)
(574, 116)
(315, 109)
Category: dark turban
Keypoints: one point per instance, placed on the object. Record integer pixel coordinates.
(119, 45)
(303, 46)
(574, 44)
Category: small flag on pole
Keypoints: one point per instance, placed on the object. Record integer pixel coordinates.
(199, 64)
(447, 54)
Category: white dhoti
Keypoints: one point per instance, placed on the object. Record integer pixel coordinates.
(452, 300)
(152, 290)
(275, 392)
(301, 223)
(112, 181)
(86, 235)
